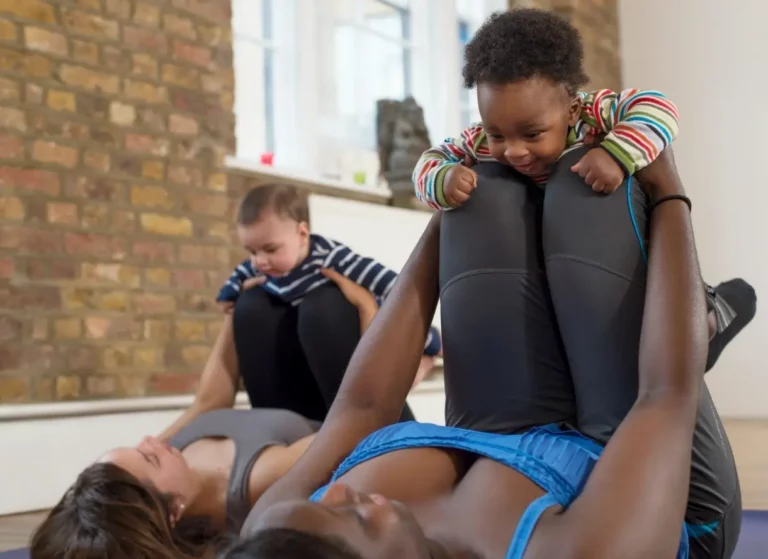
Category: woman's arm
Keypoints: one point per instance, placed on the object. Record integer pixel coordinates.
(218, 384)
(379, 376)
(634, 502)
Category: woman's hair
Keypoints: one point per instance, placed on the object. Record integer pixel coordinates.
(109, 513)
(286, 543)
(523, 44)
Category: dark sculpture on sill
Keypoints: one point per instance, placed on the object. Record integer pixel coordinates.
(402, 137)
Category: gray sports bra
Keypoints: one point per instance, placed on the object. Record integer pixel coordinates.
(251, 431)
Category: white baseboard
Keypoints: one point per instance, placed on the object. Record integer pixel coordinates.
(43, 448)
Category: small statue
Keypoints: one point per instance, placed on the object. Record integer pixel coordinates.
(402, 137)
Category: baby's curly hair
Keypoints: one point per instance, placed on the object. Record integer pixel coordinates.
(525, 43)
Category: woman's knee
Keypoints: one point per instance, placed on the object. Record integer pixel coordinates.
(495, 229)
(324, 313)
(251, 306)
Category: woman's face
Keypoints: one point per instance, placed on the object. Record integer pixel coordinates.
(369, 524)
(153, 461)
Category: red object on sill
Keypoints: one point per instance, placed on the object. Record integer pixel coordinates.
(267, 158)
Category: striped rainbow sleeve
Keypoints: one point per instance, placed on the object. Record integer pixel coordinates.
(434, 164)
(638, 124)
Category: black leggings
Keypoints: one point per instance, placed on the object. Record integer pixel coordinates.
(542, 296)
(295, 357)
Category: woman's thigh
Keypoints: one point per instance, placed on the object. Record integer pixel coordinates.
(504, 364)
(596, 271)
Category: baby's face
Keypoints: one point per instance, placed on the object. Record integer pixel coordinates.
(276, 244)
(527, 122)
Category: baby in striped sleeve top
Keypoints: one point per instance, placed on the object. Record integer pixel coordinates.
(527, 66)
(286, 259)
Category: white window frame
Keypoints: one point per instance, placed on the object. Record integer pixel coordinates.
(435, 83)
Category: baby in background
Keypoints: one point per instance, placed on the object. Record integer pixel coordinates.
(287, 259)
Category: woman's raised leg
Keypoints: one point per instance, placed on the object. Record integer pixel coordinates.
(596, 274)
(504, 364)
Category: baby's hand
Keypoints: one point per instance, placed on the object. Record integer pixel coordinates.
(459, 183)
(226, 306)
(600, 171)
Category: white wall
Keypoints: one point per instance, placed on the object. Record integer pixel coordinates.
(709, 56)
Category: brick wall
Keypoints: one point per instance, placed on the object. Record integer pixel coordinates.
(598, 23)
(115, 116)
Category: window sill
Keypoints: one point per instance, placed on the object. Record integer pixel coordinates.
(323, 185)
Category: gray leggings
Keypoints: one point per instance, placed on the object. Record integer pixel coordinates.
(542, 296)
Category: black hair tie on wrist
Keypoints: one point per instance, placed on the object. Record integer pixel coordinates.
(663, 199)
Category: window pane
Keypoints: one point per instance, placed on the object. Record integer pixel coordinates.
(386, 19)
(253, 122)
(252, 18)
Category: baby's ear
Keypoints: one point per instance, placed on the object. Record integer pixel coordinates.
(574, 111)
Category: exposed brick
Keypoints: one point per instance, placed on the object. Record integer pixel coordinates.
(197, 303)
(121, 328)
(9, 90)
(121, 274)
(97, 160)
(181, 76)
(15, 390)
(8, 30)
(29, 298)
(84, 51)
(183, 125)
(123, 221)
(11, 208)
(166, 225)
(145, 91)
(95, 216)
(157, 330)
(67, 387)
(152, 197)
(189, 279)
(93, 80)
(30, 240)
(216, 12)
(62, 213)
(184, 175)
(154, 303)
(146, 14)
(122, 114)
(10, 357)
(147, 144)
(7, 267)
(11, 147)
(190, 330)
(118, 8)
(145, 39)
(206, 204)
(98, 246)
(35, 10)
(36, 180)
(181, 26)
(157, 277)
(154, 253)
(75, 299)
(40, 329)
(31, 64)
(219, 230)
(36, 211)
(56, 154)
(132, 386)
(91, 25)
(79, 358)
(33, 94)
(46, 41)
(115, 59)
(148, 358)
(61, 100)
(199, 56)
(14, 119)
(67, 328)
(203, 255)
(154, 170)
(10, 328)
(174, 383)
(100, 386)
(153, 119)
(94, 5)
(144, 65)
(218, 82)
(214, 35)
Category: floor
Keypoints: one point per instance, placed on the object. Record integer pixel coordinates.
(747, 438)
